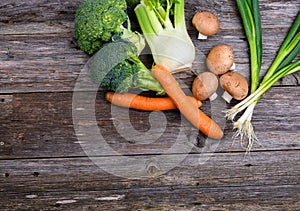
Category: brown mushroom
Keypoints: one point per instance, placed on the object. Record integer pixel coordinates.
(235, 86)
(205, 86)
(206, 23)
(220, 59)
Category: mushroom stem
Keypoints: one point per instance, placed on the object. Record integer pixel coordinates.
(201, 36)
(213, 97)
(232, 67)
(227, 97)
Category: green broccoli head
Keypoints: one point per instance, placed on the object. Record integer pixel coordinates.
(109, 59)
(117, 72)
(131, 74)
(96, 21)
(120, 78)
(117, 67)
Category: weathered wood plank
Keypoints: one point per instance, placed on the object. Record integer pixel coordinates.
(273, 12)
(40, 56)
(170, 198)
(18, 11)
(40, 123)
(39, 65)
(35, 65)
(43, 164)
(39, 29)
(222, 182)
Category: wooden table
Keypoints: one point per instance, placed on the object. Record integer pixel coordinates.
(44, 161)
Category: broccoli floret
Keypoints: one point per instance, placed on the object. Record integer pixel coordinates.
(122, 69)
(96, 21)
(120, 78)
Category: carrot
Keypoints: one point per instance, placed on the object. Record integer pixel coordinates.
(199, 119)
(135, 101)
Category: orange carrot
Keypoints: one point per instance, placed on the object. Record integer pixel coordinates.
(135, 101)
(200, 120)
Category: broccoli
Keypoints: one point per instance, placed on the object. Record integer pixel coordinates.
(97, 21)
(122, 69)
(115, 64)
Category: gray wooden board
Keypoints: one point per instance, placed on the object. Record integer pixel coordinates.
(38, 52)
(38, 122)
(43, 157)
(223, 181)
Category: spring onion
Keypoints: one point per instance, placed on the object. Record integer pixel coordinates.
(281, 66)
(250, 14)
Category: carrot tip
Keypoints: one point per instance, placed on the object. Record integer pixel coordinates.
(108, 95)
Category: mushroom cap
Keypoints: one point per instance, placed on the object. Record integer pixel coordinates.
(235, 84)
(220, 59)
(204, 85)
(206, 23)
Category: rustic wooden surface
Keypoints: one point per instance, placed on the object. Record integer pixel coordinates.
(43, 165)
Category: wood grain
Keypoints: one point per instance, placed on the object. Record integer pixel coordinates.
(44, 164)
(39, 122)
(222, 182)
(38, 52)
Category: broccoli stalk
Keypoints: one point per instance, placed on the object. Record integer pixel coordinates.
(144, 79)
(132, 36)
